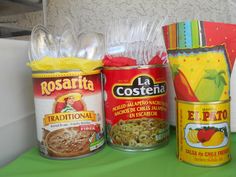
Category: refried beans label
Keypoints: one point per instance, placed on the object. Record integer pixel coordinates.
(69, 113)
(52, 85)
(136, 96)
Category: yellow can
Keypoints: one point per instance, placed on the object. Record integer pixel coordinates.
(203, 132)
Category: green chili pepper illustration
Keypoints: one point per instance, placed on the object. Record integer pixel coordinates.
(211, 86)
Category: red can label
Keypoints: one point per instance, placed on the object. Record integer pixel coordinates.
(69, 113)
(136, 107)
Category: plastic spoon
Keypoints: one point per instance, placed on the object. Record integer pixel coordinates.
(42, 43)
(91, 46)
(68, 44)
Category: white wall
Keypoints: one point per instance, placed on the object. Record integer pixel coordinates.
(17, 122)
(93, 14)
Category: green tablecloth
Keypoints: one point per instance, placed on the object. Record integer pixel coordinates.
(111, 163)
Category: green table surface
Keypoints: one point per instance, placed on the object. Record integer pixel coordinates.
(111, 163)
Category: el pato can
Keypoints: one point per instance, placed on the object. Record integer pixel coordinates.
(69, 113)
(136, 107)
(203, 132)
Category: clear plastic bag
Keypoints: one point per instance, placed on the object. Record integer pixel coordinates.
(139, 39)
(70, 50)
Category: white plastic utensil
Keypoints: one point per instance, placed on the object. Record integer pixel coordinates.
(91, 45)
(68, 44)
(42, 43)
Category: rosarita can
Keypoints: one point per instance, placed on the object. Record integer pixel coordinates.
(136, 107)
(69, 113)
(203, 132)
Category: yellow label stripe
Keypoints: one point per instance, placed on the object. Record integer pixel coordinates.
(69, 117)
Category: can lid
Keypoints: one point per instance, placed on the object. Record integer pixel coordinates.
(62, 73)
(135, 67)
(203, 102)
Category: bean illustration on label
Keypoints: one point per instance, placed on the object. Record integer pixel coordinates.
(69, 123)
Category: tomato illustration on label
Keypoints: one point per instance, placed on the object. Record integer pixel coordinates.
(207, 136)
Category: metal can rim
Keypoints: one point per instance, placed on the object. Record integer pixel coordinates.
(206, 165)
(63, 73)
(203, 102)
(63, 70)
(143, 149)
(135, 67)
(75, 157)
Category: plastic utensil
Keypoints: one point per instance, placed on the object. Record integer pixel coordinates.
(68, 44)
(154, 41)
(42, 43)
(91, 45)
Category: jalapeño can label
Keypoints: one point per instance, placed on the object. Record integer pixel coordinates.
(136, 107)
